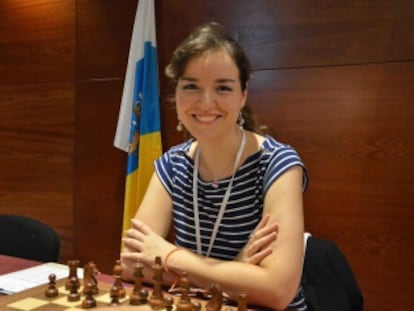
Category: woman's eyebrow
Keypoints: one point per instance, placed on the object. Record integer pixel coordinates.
(226, 80)
(188, 79)
(221, 80)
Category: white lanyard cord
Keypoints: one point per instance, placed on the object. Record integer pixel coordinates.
(223, 203)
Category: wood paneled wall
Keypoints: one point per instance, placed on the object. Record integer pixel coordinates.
(335, 79)
(37, 108)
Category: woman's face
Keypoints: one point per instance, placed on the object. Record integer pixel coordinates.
(209, 96)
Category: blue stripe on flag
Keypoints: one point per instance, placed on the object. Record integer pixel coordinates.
(145, 117)
(147, 90)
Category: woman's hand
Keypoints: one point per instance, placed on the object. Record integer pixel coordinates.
(259, 244)
(142, 244)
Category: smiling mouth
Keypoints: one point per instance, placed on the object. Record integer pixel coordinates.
(205, 119)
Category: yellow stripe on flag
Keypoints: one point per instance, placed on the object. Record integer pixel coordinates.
(137, 181)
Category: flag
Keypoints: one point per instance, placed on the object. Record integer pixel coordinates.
(138, 129)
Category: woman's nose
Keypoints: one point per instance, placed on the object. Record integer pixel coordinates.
(207, 98)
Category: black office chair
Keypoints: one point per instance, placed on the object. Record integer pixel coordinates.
(327, 280)
(25, 237)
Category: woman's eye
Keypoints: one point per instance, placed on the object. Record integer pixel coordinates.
(224, 89)
(189, 86)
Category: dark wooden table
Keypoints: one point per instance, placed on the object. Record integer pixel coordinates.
(11, 264)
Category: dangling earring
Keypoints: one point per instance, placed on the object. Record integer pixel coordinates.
(240, 120)
(180, 126)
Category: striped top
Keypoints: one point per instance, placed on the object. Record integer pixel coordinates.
(245, 206)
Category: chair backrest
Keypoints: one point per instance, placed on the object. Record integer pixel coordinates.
(25, 237)
(327, 280)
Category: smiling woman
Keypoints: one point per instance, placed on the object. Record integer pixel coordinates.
(209, 96)
(203, 41)
(233, 195)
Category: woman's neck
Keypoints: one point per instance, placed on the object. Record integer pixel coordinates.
(217, 158)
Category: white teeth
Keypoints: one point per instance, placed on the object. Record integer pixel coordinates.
(205, 118)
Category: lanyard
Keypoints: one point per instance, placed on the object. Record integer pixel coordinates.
(223, 203)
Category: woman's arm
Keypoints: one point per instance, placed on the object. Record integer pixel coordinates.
(156, 212)
(272, 283)
(258, 246)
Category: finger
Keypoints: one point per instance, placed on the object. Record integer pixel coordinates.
(268, 229)
(259, 256)
(261, 243)
(132, 244)
(134, 234)
(129, 257)
(264, 225)
(263, 221)
(140, 226)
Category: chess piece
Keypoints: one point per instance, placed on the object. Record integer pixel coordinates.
(138, 295)
(74, 294)
(169, 303)
(73, 265)
(156, 299)
(120, 286)
(52, 290)
(114, 294)
(184, 303)
(117, 272)
(89, 301)
(89, 277)
(216, 300)
(138, 275)
(143, 296)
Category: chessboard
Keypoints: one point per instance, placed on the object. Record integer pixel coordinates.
(73, 294)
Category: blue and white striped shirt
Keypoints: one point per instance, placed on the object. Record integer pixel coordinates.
(244, 208)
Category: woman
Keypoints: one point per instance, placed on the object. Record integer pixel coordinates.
(228, 191)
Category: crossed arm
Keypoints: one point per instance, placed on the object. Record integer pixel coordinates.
(268, 269)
